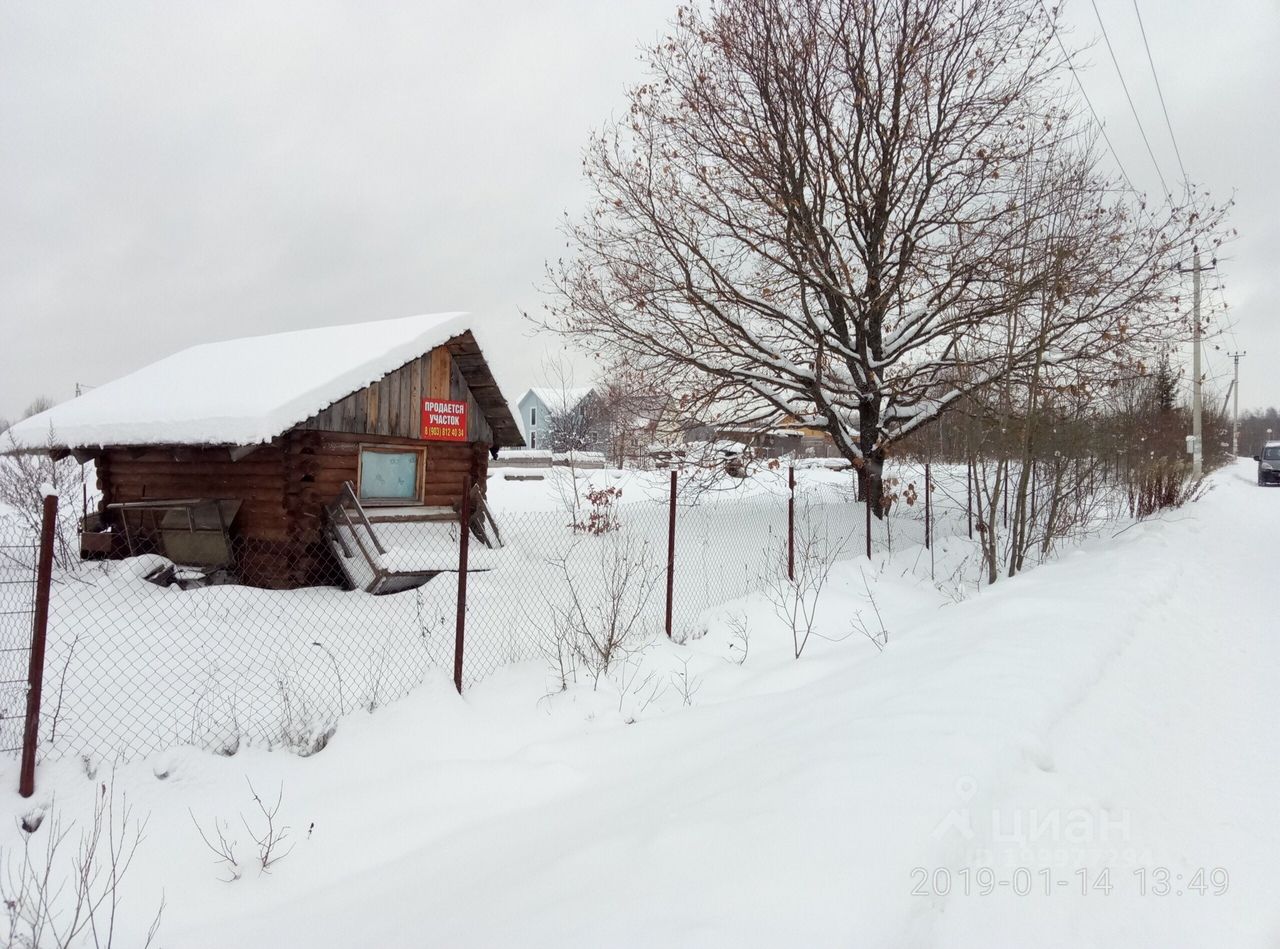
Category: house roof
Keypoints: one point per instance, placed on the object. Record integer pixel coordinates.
(247, 391)
(559, 399)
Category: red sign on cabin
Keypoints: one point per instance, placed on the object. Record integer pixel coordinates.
(444, 421)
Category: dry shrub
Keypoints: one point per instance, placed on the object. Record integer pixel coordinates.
(1160, 485)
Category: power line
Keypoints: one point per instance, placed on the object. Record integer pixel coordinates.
(1163, 107)
(1053, 25)
(1132, 108)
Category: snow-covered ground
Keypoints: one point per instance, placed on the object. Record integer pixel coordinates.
(1091, 743)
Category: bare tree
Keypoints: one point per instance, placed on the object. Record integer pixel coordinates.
(815, 209)
(25, 477)
(568, 423)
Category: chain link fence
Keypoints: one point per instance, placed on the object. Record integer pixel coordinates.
(142, 657)
(17, 612)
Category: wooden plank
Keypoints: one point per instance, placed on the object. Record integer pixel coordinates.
(330, 446)
(313, 489)
(415, 398)
(258, 485)
(229, 469)
(424, 374)
(137, 491)
(404, 402)
(383, 425)
(395, 401)
(322, 467)
(469, 362)
(440, 370)
(457, 385)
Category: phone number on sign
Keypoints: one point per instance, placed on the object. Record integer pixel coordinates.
(1023, 881)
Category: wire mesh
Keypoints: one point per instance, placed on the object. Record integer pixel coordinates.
(17, 612)
(143, 656)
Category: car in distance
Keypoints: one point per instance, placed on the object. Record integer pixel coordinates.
(1268, 463)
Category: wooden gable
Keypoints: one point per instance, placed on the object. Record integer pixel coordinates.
(391, 406)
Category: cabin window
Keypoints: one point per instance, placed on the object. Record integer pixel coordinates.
(390, 475)
(533, 416)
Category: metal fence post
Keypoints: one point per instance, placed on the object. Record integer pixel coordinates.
(968, 495)
(868, 503)
(791, 524)
(928, 510)
(1004, 496)
(464, 544)
(40, 628)
(671, 551)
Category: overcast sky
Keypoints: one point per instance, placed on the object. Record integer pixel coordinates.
(174, 173)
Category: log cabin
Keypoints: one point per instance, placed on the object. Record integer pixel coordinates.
(269, 456)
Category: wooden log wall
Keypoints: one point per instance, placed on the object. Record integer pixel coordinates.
(318, 464)
(284, 488)
(168, 473)
(263, 540)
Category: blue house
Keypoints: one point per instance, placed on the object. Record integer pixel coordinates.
(555, 419)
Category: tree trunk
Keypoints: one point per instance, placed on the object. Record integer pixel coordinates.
(871, 471)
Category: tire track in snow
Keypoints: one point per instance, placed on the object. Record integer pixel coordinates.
(1159, 754)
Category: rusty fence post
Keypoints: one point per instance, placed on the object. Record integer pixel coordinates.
(464, 543)
(791, 524)
(39, 630)
(671, 551)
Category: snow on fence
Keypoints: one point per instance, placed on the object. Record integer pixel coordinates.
(133, 667)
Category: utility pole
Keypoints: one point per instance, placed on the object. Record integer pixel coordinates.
(1197, 443)
(1235, 409)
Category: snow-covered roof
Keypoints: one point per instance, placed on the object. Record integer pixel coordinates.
(559, 399)
(239, 391)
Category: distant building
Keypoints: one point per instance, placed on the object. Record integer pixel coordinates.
(782, 437)
(556, 419)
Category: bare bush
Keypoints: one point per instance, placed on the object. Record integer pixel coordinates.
(597, 613)
(1163, 484)
(686, 686)
(271, 836)
(877, 633)
(634, 680)
(58, 897)
(301, 729)
(601, 513)
(795, 601)
(268, 837)
(739, 636)
(373, 695)
(220, 845)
